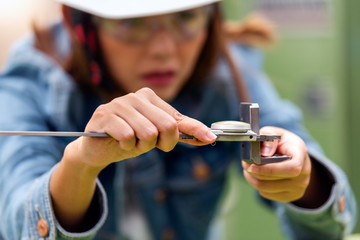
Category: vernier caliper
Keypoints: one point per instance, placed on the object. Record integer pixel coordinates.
(246, 130)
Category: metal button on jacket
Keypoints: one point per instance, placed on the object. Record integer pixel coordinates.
(42, 227)
(342, 204)
(168, 234)
(201, 171)
(160, 195)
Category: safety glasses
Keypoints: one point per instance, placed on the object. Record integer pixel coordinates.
(181, 26)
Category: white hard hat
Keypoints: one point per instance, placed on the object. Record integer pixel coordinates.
(133, 8)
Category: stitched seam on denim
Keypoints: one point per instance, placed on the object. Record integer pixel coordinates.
(29, 212)
(48, 208)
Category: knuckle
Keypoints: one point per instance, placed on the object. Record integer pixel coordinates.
(101, 111)
(178, 116)
(148, 92)
(128, 136)
(149, 133)
(125, 100)
(131, 96)
(296, 169)
(170, 125)
(257, 184)
(117, 103)
(99, 118)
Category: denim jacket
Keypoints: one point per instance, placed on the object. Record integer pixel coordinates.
(36, 94)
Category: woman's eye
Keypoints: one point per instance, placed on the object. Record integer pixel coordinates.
(187, 15)
(131, 23)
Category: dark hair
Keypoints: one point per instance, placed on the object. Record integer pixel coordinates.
(211, 49)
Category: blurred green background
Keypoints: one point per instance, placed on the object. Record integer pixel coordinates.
(315, 64)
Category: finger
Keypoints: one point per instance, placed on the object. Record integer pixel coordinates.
(124, 135)
(145, 131)
(299, 164)
(268, 148)
(271, 130)
(278, 190)
(248, 168)
(282, 196)
(291, 145)
(201, 132)
(256, 171)
(286, 169)
(280, 185)
(166, 125)
(103, 120)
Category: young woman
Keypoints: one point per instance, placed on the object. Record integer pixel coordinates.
(143, 72)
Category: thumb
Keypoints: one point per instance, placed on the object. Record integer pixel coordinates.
(268, 148)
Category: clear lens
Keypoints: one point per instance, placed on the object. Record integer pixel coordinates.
(189, 23)
(181, 25)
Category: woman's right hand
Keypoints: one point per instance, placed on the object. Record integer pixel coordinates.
(137, 123)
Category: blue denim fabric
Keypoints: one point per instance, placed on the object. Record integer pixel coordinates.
(36, 94)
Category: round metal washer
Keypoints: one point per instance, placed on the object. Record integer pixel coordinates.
(231, 126)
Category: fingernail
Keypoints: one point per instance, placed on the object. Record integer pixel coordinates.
(210, 135)
(249, 170)
(266, 151)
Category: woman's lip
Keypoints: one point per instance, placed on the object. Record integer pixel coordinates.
(159, 78)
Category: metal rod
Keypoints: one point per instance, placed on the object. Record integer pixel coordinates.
(52, 134)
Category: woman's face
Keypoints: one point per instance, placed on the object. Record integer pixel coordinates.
(158, 52)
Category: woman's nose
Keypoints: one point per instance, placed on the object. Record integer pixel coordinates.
(161, 44)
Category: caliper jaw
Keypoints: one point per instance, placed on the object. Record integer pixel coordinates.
(250, 150)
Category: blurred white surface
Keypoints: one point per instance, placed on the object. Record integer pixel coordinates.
(17, 16)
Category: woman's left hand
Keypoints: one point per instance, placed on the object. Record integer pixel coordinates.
(288, 180)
